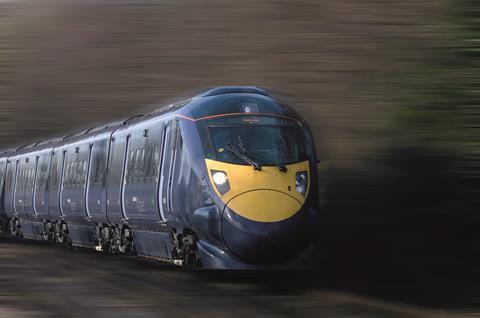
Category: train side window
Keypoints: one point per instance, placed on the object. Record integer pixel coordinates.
(70, 171)
(66, 180)
(2, 175)
(140, 165)
(146, 165)
(18, 182)
(137, 165)
(152, 167)
(142, 162)
(21, 183)
(85, 169)
(26, 172)
(11, 170)
(129, 166)
(26, 182)
(41, 183)
(98, 164)
(80, 174)
(72, 174)
(75, 174)
(128, 171)
(8, 179)
(53, 180)
(29, 177)
(19, 174)
(26, 176)
(156, 161)
(69, 176)
(81, 170)
(73, 167)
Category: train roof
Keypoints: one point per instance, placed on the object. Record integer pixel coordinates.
(212, 102)
(234, 90)
(236, 100)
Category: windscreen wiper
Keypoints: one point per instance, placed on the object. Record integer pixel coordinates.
(281, 167)
(255, 165)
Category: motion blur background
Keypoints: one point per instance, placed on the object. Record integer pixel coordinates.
(390, 89)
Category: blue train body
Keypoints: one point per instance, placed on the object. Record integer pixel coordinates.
(224, 180)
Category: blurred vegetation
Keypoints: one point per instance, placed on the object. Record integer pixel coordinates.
(412, 208)
(438, 103)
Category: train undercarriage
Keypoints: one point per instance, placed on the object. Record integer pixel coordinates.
(173, 246)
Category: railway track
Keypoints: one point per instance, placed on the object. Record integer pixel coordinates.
(38, 280)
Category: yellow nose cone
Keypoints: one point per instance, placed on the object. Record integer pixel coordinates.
(264, 205)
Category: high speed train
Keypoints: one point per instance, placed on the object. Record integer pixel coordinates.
(224, 180)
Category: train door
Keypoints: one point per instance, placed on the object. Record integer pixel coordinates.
(3, 172)
(141, 178)
(96, 196)
(171, 145)
(20, 186)
(12, 165)
(31, 169)
(40, 196)
(54, 180)
(119, 144)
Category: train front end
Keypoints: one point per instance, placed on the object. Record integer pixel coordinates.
(263, 172)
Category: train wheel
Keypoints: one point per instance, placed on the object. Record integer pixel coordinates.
(62, 235)
(48, 231)
(15, 228)
(127, 245)
(3, 226)
(189, 250)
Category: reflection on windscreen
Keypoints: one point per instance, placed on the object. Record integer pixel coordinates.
(268, 140)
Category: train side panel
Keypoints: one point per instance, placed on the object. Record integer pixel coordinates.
(72, 198)
(3, 172)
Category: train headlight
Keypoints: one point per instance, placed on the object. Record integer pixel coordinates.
(220, 179)
(301, 182)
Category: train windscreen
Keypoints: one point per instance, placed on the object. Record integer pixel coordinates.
(265, 140)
